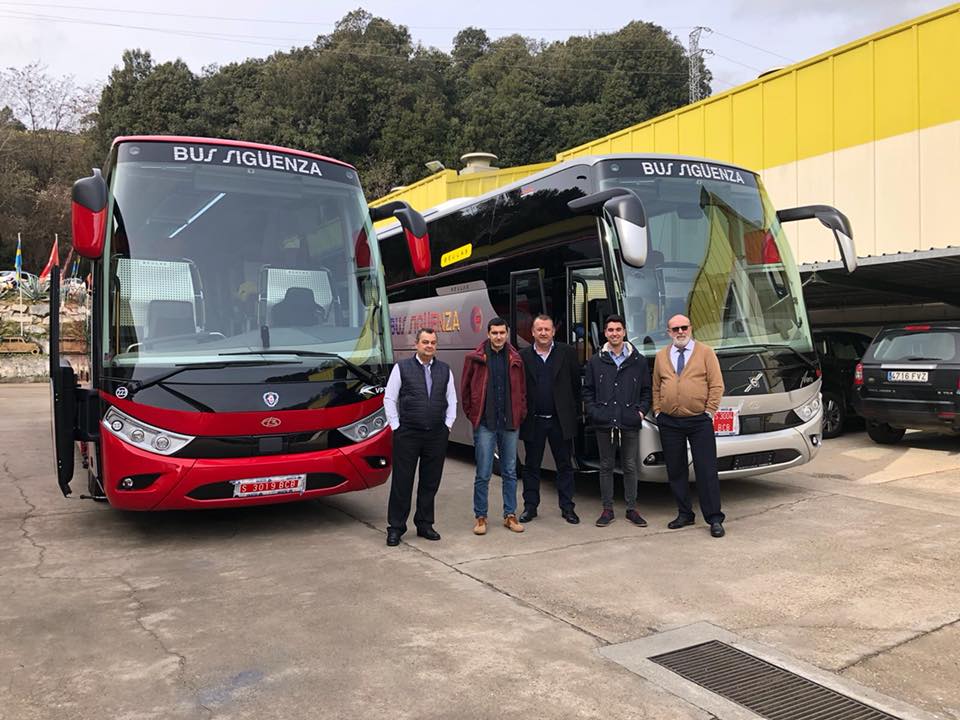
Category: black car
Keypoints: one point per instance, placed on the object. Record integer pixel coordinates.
(910, 378)
(839, 351)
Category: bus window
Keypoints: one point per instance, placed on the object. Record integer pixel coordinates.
(526, 302)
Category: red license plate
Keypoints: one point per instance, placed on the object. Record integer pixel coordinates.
(279, 485)
(726, 421)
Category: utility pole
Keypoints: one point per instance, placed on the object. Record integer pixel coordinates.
(694, 54)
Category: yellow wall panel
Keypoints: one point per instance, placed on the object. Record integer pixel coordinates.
(895, 83)
(815, 109)
(690, 128)
(620, 143)
(781, 185)
(853, 96)
(642, 139)
(748, 127)
(815, 186)
(718, 130)
(939, 161)
(939, 70)
(898, 193)
(665, 135)
(855, 199)
(779, 120)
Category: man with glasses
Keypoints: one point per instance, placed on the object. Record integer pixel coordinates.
(687, 388)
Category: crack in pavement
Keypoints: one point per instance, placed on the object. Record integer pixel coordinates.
(895, 646)
(181, 659)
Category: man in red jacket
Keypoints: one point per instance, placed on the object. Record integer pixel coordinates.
(494, 391)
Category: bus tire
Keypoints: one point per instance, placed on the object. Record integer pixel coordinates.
(883, 434)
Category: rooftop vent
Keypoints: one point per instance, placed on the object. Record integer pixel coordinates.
(477, 162)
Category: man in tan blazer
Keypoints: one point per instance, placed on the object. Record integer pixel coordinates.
(687, 388)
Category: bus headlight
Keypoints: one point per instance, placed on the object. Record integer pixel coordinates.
(144, 436)
(367, 427)
(808, 410)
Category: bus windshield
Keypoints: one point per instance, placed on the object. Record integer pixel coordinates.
(220, 254)
(717, 254)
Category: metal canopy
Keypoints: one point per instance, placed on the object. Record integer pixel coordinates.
(906, 278)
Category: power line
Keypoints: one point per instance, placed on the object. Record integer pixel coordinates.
(755, 47)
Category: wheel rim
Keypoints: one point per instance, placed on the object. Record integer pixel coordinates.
(831, 417)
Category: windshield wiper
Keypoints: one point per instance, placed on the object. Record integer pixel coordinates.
(760, 347)
(929, 359)
(360, 372)
(137, 385)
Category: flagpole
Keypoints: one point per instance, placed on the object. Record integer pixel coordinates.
(20, 284)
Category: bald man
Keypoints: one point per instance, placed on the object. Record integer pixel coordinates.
(687, 388)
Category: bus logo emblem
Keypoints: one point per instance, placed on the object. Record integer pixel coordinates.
(754, 382)
(271, 399)
(122, 392)
(270, 422)
(476, 318)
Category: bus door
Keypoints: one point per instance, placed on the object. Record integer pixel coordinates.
(527, 300)
(587, 306)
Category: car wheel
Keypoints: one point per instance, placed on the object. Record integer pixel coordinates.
(884, 434)
(834, 415)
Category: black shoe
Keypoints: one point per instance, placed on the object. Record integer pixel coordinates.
(606, 517)
(716, 529)
(634, 517)
(428, 532)
(393, 537)
(679, 521)
(570, 516)
(527, 515)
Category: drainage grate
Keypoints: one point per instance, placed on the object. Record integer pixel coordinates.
(766, 689)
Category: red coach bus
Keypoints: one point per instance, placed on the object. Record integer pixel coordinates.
(239, 337)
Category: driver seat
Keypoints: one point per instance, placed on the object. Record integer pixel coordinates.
(297, 309)
(166, 318)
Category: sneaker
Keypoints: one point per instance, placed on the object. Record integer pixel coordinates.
(510, 523)
(481, 527)
(634, 517)
(606, 517)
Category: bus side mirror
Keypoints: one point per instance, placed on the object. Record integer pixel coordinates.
(414, 228)
(89, 215)
(625, 213)
(831, 218)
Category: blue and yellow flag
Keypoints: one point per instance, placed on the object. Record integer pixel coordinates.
(19, 261)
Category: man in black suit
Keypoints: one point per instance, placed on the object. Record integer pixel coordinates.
(553, 397)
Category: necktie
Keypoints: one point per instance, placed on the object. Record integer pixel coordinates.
(681, 351)
(429, 379)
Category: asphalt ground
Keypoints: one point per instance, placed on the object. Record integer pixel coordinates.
(849, 564)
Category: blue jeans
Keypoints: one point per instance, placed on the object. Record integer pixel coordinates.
(506, 443)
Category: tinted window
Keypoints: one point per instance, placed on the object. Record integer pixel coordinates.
(904, 345)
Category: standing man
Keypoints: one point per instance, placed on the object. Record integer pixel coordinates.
(616, 393)
(421, 404)
(494, 394)
(687, 388)
(553, 395)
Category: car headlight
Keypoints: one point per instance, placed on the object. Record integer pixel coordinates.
(808, 410)
(367, 427)
(144, 436)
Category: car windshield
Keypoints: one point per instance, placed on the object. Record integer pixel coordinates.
(219, 253)
(717, 254)
(907, 345)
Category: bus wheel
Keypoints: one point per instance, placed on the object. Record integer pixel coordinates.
(834, 415)
(884, 434)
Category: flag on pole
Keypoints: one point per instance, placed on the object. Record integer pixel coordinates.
(54, 258)
(18, 264)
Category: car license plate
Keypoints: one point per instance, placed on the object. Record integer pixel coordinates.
(907, 376)
(726, 421)
(276, 485)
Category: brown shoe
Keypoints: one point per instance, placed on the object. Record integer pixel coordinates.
(510, 523)
(481, 527)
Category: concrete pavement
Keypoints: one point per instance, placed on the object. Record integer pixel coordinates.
(849, 564)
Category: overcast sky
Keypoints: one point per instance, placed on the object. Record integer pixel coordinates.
(85, 38)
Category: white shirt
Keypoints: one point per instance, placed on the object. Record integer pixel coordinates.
(675, 353)
(543, 356)
(392, 394)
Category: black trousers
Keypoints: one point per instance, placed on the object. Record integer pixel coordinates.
(429, 447)
(547, 429)
(675, 432)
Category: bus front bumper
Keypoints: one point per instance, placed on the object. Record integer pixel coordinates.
(742, 455)
(134, 479)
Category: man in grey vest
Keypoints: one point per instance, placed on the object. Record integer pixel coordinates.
(421, 404)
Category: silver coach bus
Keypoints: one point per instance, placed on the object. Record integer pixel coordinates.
(647, 237)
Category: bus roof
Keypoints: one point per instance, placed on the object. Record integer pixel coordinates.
(451, 206)
(224, 141)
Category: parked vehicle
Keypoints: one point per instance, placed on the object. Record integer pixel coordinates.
(840, 351)
(910, 378)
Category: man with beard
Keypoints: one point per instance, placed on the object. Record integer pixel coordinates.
(687, 388)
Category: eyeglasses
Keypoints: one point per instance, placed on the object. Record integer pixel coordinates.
(680, 328)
